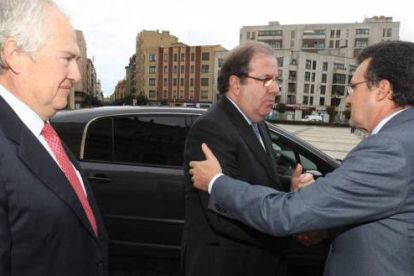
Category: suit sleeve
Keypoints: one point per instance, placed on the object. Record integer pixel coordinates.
(5, 237)
(224, 149)
(371, 184)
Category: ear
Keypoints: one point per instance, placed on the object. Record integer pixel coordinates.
(384, 90)
(12, 55)
(234, 84)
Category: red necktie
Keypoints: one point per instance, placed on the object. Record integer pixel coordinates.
(55, 145)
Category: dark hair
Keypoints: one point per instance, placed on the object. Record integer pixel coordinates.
(392, 61)
(238, 60)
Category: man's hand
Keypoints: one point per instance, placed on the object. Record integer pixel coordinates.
(203, 171)
(299, 180)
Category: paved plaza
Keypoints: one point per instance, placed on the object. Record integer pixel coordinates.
(334, 141)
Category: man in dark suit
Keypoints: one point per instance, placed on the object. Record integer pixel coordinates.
(368, 202)
(213, 244)
(49, 221)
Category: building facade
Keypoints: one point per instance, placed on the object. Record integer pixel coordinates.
(317, 61)
(173, 73)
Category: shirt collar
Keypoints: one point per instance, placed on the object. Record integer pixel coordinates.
(384, 121)
(24, 112)
(238, 108)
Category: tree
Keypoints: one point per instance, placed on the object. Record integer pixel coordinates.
(331, 111)
(91, 101)
(281, 108)
(141, 99)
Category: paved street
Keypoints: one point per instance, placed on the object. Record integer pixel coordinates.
(334, 141)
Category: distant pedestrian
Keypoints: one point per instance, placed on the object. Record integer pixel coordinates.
(352, 130)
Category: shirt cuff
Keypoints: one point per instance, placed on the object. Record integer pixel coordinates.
(210, 185)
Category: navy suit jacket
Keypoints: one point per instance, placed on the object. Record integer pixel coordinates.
(43, 227)
(368, 202)
(213, 244)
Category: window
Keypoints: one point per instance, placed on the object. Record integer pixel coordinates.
(205, 56)
(307, 76)
(389, 32)
(174, 82)
(182, 69)
(152, 140)
(152, 69)
(308, 64)
(292, 34)
(339, 78)
(332, 33)
(361, 42)
(305, 100)
(175, 57)
(291, 99)
(165, 95)
(192, 56)
(292, 75)
(314, 65)
(175, 69)
(165, 82)
(306, 88)
(321, 101)
(313, 77)
(165, 57)
(323, 89)
(192, 69)
(165, 69)
(311, 100)
(182, 57)
(312, 87)
(182, 82)
(331, 44)
(204, 94)
(275, 44)
(220, 62)
(99, 141)
(324, 77)
(338, 33)
(280, 62)
(339, 66)
(152, 93)
(205, 68)
(204, 81)
(151, 82)
(152, 57)
(270, 33)
(337, 44)
(362, 31)
(325, 66)
(192, 82)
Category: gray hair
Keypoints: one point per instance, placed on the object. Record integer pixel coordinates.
(26, 21)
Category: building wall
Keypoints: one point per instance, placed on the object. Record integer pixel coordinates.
(303, 50)
(167, 70)
(81, 86)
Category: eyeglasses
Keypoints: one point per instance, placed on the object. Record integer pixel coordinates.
(351, 87)
(268, 81)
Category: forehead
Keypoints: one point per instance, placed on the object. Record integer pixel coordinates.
(360, 72)
(263, 62)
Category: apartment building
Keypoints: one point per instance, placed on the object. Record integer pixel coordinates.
(175, 73)
(317, 61)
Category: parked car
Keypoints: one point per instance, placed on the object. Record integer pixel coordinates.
(312, 118)
(133, 157)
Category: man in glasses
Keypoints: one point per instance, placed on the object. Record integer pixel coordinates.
(368, 202)
(234, 129)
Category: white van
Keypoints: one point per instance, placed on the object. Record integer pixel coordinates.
(313, 118)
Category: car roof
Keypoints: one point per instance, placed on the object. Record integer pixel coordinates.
(87, 114)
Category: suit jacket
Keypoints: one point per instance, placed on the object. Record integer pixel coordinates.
(368, 200)
(43, 227)
(212, 244)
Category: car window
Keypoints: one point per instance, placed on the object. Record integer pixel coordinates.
(152, 140)
(98, 144)
(287, 155)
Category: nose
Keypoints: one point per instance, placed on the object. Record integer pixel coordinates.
(348, 100)
(74, 73)
(274, 88)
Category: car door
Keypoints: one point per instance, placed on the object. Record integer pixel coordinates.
(135, 166)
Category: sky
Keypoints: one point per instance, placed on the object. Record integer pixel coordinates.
(110, 27)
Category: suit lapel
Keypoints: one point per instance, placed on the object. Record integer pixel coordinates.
(247, 134)
(38, 160)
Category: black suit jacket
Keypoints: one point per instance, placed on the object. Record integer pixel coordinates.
(43, 227)
(212, 244)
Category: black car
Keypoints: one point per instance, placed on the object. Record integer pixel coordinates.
(133, 157)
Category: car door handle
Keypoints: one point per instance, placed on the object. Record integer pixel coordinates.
(100, 179)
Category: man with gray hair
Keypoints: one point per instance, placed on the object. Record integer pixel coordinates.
(49, 220)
